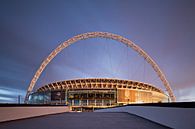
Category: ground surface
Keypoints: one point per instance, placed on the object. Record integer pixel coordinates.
(91, 120)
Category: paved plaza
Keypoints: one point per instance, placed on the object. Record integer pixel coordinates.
(84, 120)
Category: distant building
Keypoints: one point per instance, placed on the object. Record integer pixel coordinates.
(93, 93)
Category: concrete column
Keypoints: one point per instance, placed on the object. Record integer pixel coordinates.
(66, 95)
(73, 102)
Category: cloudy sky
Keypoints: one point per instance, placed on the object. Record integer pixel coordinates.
(30, 30)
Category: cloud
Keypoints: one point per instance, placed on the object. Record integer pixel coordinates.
(186, 94)
(6, 99)
(10, 94)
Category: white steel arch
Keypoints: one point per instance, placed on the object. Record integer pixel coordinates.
(112, 36)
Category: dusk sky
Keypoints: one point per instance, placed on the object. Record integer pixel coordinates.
(30, 30)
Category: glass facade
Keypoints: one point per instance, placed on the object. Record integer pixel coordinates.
(92, 97)
(101, 97)
(40, 98)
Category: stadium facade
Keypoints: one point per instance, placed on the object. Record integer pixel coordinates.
(93, 93)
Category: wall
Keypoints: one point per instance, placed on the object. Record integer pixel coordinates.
(174, 117)
(14, 113)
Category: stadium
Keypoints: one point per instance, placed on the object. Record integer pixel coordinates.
(94, 93)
